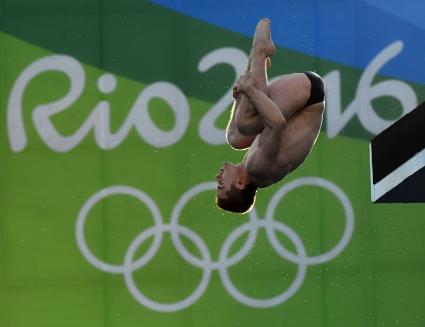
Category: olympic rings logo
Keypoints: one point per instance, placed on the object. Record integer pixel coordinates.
(205, 262)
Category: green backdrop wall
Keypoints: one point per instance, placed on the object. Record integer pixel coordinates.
(112, 130)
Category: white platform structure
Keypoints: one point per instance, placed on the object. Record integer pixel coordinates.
(397, 160)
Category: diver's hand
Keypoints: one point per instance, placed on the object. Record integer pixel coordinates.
(244, 82)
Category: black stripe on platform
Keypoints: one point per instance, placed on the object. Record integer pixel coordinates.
(411, 190)
(398, 143)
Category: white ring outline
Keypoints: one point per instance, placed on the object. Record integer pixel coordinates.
(140, 297)
(349, 217)
(285, 295)
(205, 263)
(175, 216)
(82, 216)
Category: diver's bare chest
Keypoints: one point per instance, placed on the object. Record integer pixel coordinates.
(264, 170)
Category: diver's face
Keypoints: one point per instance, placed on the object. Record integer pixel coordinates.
(226, 177)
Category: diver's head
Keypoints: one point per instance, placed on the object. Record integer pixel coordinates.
(235, 189)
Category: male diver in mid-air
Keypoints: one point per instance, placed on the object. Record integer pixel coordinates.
(278, 123)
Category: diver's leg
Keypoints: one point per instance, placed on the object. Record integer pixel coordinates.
(301, 98)
(262, 49)
(245, 124)
(301, 132)
(296, 92)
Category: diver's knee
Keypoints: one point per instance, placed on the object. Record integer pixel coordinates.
(238, 142)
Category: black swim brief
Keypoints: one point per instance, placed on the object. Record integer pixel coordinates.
(317, 93)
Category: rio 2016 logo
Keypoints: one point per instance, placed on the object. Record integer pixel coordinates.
(139, 118)
(205, 262)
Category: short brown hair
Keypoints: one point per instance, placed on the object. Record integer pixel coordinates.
(238, 200)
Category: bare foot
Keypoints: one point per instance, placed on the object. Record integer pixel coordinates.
(262, 38)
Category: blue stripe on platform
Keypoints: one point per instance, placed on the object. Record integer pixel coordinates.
(350, 32)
